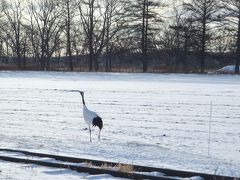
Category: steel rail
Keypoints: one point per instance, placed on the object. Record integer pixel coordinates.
(136, 168)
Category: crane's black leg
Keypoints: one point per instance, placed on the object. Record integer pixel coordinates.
(99, 135)
(90, 133)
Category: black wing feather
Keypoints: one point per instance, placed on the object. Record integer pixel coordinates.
(97, 121)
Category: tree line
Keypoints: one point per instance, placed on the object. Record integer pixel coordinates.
(104, 35)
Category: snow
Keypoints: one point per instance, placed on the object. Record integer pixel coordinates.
(159, 120)
(33, 172)
(227, 69)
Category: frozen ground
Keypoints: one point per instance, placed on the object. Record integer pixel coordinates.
(13, 171)
(159, 120)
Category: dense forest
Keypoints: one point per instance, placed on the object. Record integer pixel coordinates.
(119, 35)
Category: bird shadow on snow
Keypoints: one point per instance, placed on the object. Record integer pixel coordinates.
(136, 144)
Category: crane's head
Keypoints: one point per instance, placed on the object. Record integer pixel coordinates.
(81, 92)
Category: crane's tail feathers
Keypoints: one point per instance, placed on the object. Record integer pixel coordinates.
(97, 121)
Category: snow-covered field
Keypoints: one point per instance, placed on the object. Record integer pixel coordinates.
(158, 120)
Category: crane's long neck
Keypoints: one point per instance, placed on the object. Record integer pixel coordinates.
(83, 99)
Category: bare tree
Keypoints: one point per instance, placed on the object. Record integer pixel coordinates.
(13, 27)
(180, 37)
(232, 17)
(204, 13)
(143, 18)
(69, 9)
(47, 23)
(115, 23)
(87, 9)
(101, 20)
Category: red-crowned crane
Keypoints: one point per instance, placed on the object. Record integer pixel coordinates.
(91, 118)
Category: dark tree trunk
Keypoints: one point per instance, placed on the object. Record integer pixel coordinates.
(107, 59)
(42, 63)
(96, 66)
(110, 61)
(203, 50)
(47, 66)
(185, 52)
(108, 65)
(91, 51)
(19, 63)
(145, 63)
(238, 48)
(90, 64)
(18, 47)
(24, 61)
(69, 49)
(144, 34)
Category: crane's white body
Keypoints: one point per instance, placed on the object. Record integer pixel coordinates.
(88, 115)
(91, 118)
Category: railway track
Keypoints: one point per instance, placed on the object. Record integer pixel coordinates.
(105, 167)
